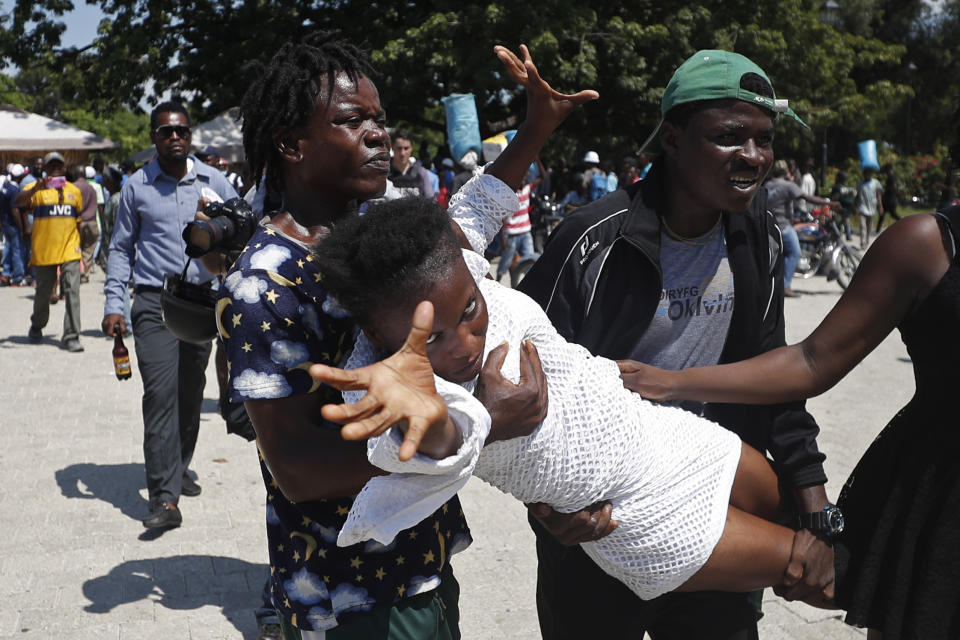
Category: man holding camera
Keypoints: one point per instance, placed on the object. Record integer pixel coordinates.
(155, 205)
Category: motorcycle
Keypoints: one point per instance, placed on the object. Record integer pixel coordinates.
(824, 249)
(544, 218)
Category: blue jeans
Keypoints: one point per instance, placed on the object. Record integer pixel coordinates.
(521, 243)
(791, 254)
(14, 257)
(845, 224)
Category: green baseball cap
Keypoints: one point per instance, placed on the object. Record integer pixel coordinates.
(715, 75)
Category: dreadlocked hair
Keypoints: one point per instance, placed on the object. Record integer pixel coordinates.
(286, 91)
(390, 255)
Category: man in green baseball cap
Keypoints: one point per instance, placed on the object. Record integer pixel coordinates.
(684, 269)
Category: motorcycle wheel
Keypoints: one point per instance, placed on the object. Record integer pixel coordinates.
(848, 259)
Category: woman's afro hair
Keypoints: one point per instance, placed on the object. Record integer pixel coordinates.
(391, 254)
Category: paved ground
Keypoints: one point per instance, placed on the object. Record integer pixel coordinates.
(75, 561)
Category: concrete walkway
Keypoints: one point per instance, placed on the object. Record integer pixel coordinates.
(76, 563)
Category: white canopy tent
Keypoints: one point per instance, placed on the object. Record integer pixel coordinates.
(223, 132)
(24, 134)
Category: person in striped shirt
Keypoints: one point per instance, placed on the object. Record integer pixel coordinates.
(516, 231)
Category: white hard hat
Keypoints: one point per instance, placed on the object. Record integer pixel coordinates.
(592, 156)
(16, 170)
(90, 173)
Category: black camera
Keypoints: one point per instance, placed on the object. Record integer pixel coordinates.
(189, 310)
(230, 226)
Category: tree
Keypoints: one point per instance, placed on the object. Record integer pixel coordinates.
(10, 95)
(839, 77)
(629, 50)
(32, 29)
(130, 131)
(933, 58)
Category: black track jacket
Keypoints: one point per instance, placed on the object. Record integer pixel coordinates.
(599, 281)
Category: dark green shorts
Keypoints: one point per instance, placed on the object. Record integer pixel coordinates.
(434, 615)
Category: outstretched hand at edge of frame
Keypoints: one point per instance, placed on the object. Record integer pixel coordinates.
(400, 391)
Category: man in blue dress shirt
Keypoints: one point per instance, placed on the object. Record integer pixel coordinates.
(155, 206)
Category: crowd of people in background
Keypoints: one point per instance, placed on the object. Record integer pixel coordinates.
(55, 223)
(99, 182)
(794, 194)
(565, 186)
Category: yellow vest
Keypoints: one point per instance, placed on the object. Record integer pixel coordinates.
(55, 237)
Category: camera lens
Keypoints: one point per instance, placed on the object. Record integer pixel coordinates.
(203, 235)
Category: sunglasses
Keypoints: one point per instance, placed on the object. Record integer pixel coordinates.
(167, 131)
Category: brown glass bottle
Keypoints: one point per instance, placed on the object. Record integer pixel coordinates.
(121, 357)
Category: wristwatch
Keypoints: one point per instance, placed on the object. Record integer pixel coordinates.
(828, 521)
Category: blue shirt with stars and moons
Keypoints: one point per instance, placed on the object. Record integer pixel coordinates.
(276, 320)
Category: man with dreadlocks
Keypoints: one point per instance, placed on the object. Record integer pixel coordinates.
(314, 126)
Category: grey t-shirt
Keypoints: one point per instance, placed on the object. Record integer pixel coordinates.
(867, 195)
(780, 196)
(689, 328)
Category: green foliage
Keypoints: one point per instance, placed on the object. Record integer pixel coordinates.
(57, 95)
(9, 94)
(920, 176)
(131, 131)
(32, 29)
(850, 79)
(628, 52)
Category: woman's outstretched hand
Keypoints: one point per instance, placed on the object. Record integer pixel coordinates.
(546, 107)
(650, 382)
(400, 391)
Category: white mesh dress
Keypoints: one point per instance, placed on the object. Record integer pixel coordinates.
(667, 472)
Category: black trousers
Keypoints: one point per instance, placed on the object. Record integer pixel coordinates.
(886, 210)
(576, 599)
(173, 374)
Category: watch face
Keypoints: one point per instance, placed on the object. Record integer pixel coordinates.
(835, 520)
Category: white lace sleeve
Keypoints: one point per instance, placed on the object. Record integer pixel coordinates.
(414, 489)
(480, 207)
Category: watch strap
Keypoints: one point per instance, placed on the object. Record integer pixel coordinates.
(814, 521)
